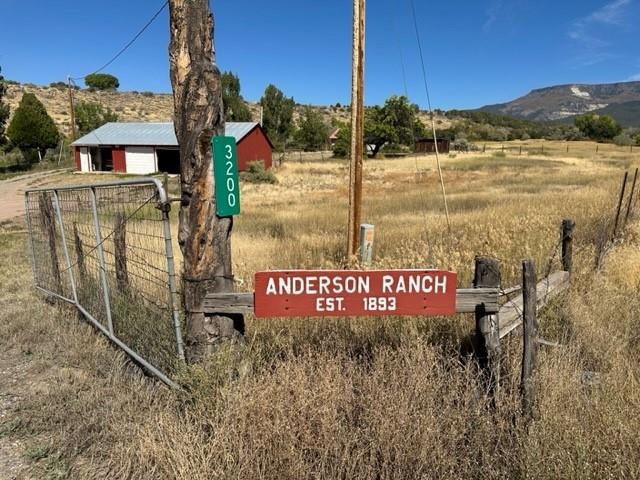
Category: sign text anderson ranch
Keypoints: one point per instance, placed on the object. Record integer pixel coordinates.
(286, 293)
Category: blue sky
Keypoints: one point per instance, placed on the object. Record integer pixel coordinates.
(476, 52)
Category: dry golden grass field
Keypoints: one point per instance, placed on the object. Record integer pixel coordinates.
(357, 398)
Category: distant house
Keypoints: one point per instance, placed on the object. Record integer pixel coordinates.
(333, 136)
(428, 145)
(142, 148)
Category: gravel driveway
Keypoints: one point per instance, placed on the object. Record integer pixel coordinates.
(12, 191)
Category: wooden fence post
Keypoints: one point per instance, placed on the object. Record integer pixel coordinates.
(204, 237)
(530, 334)
(79, 252)
(622, 189)
(629, 203)
(487, 336)
(568, 224)
(120, 252)
(49, 227)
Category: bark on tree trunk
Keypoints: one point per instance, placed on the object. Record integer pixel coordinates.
(204, 238)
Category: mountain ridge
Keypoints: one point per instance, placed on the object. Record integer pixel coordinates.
(621, 100)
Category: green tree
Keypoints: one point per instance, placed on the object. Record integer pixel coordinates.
(598, 127)
(4, 110)
(394, 123)
(342, 145)
(32, 129)
(235, 108)
(90, 116)
(277, 116)
(312, 132)
(101, 81)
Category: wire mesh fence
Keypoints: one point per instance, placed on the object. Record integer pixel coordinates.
(106, 249)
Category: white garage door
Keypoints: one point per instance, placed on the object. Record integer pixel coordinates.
(140, 160)
(85, 164)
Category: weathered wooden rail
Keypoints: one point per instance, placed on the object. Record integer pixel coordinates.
(511, 313)
(467, 301)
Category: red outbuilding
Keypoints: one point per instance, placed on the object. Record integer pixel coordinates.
(136, 147)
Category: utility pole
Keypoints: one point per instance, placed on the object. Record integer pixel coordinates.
(204, 238)
(357, 128)
(72, 113)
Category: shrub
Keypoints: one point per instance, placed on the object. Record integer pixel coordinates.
(624, 139)
(464, 145)
(90, 116)
(58, 85)
(256, 173)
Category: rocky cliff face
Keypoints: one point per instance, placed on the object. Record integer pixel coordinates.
(562, 101)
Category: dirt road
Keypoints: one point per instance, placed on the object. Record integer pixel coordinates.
(12, 191)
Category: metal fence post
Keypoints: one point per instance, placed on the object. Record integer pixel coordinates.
(173, 297)
(27, 209)
(100, 250)
(72, 280)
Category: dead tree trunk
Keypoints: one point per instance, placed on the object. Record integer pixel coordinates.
(204, 238)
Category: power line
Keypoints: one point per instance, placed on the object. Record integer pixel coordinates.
(433, 123)
(124, 49)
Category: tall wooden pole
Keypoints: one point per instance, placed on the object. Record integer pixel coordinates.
(72, 113)
(203, 237)
(357, 127)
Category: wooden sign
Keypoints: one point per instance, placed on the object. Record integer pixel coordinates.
(319, 293)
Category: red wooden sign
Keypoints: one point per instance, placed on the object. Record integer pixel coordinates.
(319, 293)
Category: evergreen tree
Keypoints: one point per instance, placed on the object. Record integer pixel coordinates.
(277, 116)
(32, 129)
(235, 108)
(4, 110)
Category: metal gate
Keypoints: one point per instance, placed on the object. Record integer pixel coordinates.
(106, 249)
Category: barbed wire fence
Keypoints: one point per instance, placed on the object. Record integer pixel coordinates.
(106, 249)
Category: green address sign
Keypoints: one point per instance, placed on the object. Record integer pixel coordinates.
(225, 176)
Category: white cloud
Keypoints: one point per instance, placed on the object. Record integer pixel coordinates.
(634, 78)
(503, 12)
(586, 30)
(492, 14)
(611, 14)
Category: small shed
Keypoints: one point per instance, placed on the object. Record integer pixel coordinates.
(149, 147)
(428, 145)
